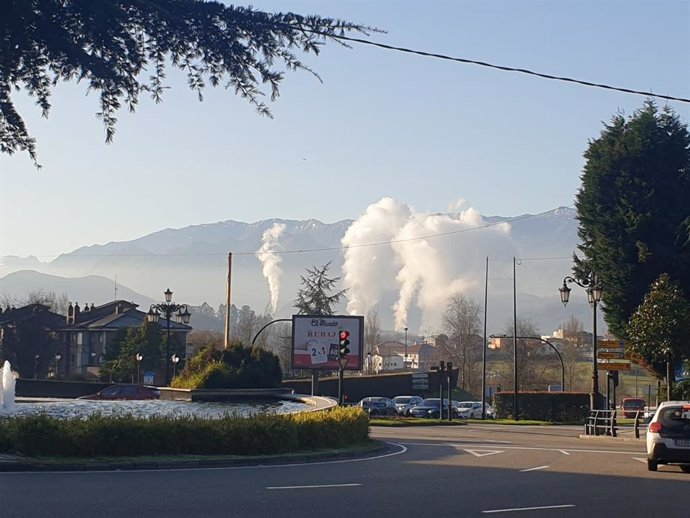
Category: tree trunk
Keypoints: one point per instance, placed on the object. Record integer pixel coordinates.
(669, 372)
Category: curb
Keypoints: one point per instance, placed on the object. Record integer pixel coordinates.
(609, 438)
(17, 463)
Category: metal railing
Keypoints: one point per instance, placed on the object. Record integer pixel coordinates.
(601, 422)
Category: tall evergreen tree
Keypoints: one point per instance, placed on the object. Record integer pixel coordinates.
(314, 297)
(632, 207)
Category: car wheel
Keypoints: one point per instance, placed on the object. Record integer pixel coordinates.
(652, 465)
(685, 468)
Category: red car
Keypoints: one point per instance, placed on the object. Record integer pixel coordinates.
(125, 392)
(632, 405)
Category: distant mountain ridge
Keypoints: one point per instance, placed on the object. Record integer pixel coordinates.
(192, 261)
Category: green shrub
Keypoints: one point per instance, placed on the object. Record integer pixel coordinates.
(232, 368)
(115, 436)
(555, 407)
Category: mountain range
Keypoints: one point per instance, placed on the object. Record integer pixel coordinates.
(407, 270)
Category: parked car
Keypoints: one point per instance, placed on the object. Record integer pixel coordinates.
(404, 403)
(379, 406)
(430, 408)
(632, 405)
(473, 410)
(668, 436)
(125, 392)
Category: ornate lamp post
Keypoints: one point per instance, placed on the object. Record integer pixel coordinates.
(594, 293)
(168, 309)
(58, 356)
(37, 357)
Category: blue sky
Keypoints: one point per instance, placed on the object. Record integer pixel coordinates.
(423, 131)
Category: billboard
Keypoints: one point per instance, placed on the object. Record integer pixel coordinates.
(315, 341)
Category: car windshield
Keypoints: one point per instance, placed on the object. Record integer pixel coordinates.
(402, 400)
(465, 404)
(633, 404)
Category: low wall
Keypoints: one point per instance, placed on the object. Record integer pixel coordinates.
(357, 387)
(56, 389)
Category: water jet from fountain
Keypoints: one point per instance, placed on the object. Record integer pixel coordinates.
(7, 388)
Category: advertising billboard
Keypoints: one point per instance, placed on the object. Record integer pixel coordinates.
(315, 341)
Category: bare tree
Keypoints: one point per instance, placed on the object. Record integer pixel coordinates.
(372, 330)
(571, 352)
(536, 363)
(246, 324)
(462, 324)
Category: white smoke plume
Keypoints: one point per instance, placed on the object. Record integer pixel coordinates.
(271, 260)
(427, 258)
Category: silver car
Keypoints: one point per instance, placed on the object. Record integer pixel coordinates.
(668, 436)
(404, 403)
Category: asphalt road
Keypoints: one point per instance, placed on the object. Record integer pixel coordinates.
(473, 470)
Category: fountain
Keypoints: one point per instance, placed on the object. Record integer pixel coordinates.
(7, 383)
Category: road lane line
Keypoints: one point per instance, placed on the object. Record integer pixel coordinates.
(564, 452)
(517, 509)
(533, 469)
(483, 453)
(313, 487)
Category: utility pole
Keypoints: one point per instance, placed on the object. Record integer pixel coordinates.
(228, 307)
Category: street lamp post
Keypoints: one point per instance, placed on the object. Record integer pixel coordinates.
(139, 357)
(58, 356)
(594, 293)
(36, 358)
(168, 309)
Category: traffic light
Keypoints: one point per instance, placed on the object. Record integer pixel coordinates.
(344, 343)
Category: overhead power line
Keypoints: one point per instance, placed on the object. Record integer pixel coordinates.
(510, 69)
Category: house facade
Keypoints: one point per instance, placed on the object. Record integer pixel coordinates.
(75, 344)
(392, 356)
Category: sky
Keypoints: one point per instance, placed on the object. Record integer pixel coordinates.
(429, 133)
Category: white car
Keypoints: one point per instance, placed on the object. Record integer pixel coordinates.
(668, 436)
(473, 410)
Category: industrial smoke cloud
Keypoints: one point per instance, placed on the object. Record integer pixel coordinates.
(270, 260)
(424, 258)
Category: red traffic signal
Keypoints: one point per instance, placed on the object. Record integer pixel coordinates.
(343, 349)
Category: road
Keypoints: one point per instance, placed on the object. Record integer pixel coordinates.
(473, 470)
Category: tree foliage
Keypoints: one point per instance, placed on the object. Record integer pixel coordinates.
(232, 368)
(121, 48)
(633, 209)
(314, 297)
(120, 355)
(659, 330)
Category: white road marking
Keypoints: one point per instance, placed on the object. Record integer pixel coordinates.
(313, 487)
(517, 509)
(483, 453)
(533, 469)
(564, 452)
(641, 459)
